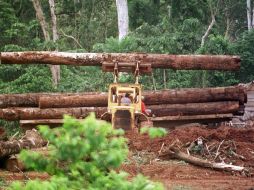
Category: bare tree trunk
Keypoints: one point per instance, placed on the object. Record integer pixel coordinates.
(45, 30)
(154, 82)
(204, 73)
(249, 16)
(174, 152)
(208, 30)
(164, 79)
(253, 14)
(55, 69)
(123, 18)
(41, 18)
(227, 25)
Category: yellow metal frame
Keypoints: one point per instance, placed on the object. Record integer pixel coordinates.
(116, 92)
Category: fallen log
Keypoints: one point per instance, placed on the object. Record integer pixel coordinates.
(32, 139)
(74, 101)
(193, 117)
(14, 164)
(195, 108)
(184, 62)
(179, 96)
(82, 112)
(30, 124)
(13, 114)
(32, 99)
(86, 99)
(196, 95)
(174, 152)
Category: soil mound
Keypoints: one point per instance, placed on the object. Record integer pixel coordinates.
(241, 138)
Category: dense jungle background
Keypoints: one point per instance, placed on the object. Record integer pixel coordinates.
(155, 26)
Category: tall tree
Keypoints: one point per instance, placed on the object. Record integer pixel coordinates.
(55, 70)
(123, 18)
(250, 14)
(213, 8)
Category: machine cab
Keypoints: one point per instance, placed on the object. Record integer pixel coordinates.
(123, 114)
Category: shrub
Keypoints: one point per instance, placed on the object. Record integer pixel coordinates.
(82, 155)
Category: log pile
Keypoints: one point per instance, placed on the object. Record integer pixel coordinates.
(210, 103)
(177, 104)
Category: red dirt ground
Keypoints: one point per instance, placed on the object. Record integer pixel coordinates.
(180, 175)
(175, 174)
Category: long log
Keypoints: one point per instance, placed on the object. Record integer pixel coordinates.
(174, 152)
(193, 117)
(179, 96)
(184, 62)
(13, 114)
(86, 99)
(195, 108)
(32, 99)
(158, 110)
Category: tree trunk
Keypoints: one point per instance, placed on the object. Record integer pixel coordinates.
(195, 108)
(32, 99)
(55, 69)
(208, 30)
(41, 18)
(45, 30)
(158, 110)
(173, 152)
(252, 15)
(164, 79)
(74, 101)
(208, 117)
(123, 18)
(14, 164)
(151, 98)
(184, 62)
(249, 15)
(95, 99)
(13, 114)
(32, 139)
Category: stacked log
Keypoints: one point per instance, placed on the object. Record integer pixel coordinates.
(221, 102)
(12, 114)
(93, 99)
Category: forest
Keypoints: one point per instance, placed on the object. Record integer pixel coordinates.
(154, 26)
(198, 133)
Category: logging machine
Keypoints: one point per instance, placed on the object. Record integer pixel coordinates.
(125, 115)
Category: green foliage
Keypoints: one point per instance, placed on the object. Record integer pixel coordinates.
(11, 128)
(156, 26)
(21, 79)
(244, 47)
(154, 132)
(128, 44)
(218, 45)
(82, 155)
(141, 11)
(2, 182)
